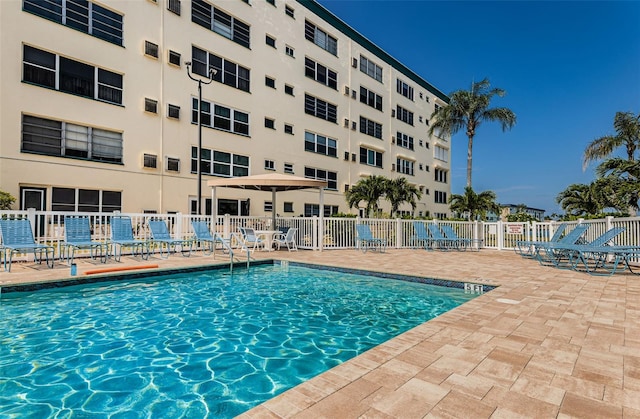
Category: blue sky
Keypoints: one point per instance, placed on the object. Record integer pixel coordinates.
(567, 68)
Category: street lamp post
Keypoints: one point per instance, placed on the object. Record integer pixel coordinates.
(212, 72)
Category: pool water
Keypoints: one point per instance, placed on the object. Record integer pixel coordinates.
(195, 345)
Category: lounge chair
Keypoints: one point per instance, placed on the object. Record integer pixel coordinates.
(122, 237)
(17, 237)
(160, 236)
(77, 235)
(603, 260)
(440, 240)
(208, 241)
(461, 243)
(367, 241)
(287, 239)
(526, 248)
(250, 239)
(543, 250)
(421, 236)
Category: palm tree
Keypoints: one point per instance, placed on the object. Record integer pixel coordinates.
(623, 178)
(580, 199)
(467, 109)
(474, 204)
(400, 191)
(369, 190)
(627, 126)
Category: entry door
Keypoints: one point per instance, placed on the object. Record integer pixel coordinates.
(34, 198)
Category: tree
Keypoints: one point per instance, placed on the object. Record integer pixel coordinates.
(474, 204)
(6, 200)
(627, 127)
(623, 179)
(467, 109)
(369, 190)
(399, 191)
(580, 199)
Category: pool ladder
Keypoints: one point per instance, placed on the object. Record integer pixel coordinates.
(226, 245)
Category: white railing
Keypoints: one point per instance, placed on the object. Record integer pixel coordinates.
(315, 233)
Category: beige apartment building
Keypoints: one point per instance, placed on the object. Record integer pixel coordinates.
(98, 112)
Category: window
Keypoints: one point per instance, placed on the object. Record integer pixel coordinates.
(440, 175)
(371, 128)
(404, 115)
(271, 41)
(288, 89)
(150, 105)
(150, 49)
(174, 6)
(63, 139)
(320, 73)
(220, 163)
(440, 197)
(226, 119)
(268, 206)
(288, 129)
(311, 210)
(289, 51)
(65, 75)
(320, 144)
(319, 108)
(228, 72)
(288, 168)
(173, 111)
(330, 177)
(370, 98)
(404, 89)
(289, 11)
(320, 38)
(405, 166)
(85, 200)
(370, 68)
(272, 2)
(174, 58)
(404, 140)
(269, 165)
(84, 16)
(436, 108)
(173, 164)
(370, 157)
(441, 153)
(150, 161)
(269, 82)
(269, 123)
(220, 22)
(288, 207)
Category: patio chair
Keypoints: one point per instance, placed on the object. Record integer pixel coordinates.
(208, 242)
(288, 239)
(461, 243)
(367, 241)
(77, 235)
(440, 240)
(122, 237)
(160, 236)
(251, 240)
(421, 236)
(17, 237)
(526, 248)
(603, 260)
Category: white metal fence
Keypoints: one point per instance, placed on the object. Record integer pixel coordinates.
(326, 233)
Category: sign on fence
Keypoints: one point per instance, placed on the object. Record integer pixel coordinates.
(515, 229)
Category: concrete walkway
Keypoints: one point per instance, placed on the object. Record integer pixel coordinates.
(546, 343)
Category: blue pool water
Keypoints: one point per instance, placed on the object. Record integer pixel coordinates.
(195, 345)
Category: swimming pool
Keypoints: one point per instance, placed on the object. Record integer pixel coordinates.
(200, 344)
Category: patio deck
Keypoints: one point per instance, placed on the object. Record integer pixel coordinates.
(546, 343)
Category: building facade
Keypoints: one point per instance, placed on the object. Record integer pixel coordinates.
(97, 112)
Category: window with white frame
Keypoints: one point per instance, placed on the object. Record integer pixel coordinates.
(269, 165)
(64, 139)
(289, 50)
(173, 111)
(270, 40)
(289, 11)
(85, 16)
(370, 157)
(175, 58)
(225, 119)
(220, 163)
(220, 22)
(370, 68)
(173, 164)
(404, 89)
(268, 206)
(320, 174)
(269, 123)
(440, 175)
(288, 207)
(404, 140)
(227, 72)
(405, 166)
(150, 49)
(404, 115)
(288, 89)
(370, 127)
(85, 200)
(320, 144)
(45, 69)
(370, 98)
(320, 109)
(288, 168)
(320, 38)
(270, 82)
(440, 197)
(311, 210)
(441, 153)
(320, 73)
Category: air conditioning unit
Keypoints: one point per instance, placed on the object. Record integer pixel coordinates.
(354, 63)
(353, 125)
(354, 94)
(346, 90)
(393, 113)
(346, 123)
(346, 155)
(393, 167)
(393, 140)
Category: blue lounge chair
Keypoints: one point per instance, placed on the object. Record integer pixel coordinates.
(17, 237)
(161, 237)
(603, 260)
(122, 237)
(544, 250)
(460, 243)
(421, 236)
(440, 240)
(208, 241)
(287, 239)
(77, 235)
(367, 241)
(526, 248)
